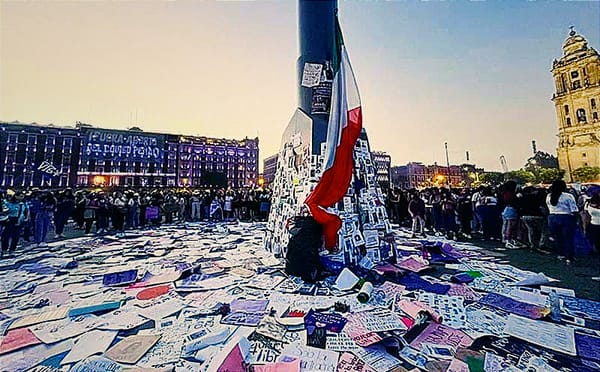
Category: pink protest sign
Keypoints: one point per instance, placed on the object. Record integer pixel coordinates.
(440, 334)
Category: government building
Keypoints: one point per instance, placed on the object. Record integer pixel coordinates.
(33, 155)
(577, 98)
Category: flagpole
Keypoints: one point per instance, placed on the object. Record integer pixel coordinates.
(316, 26)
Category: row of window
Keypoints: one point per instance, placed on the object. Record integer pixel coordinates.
(592, 105)
(209, 150)
(33, 139)
(581, 117)
(229, 175)
(9, 180)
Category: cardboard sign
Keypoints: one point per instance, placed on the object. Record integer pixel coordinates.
(16, 339)
(132, 348)
(120, 278)
(331, 321)
(549, 335)
(351, 363)
(90, 343)
(440, 334)
(516, 307)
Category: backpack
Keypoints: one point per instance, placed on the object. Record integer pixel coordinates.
(302, 257)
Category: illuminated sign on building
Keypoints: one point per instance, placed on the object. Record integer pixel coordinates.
(119, 145)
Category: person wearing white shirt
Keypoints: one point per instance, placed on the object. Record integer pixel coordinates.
(562, 221)
(592, 207)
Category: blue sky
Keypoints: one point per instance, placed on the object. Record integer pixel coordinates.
(473, 74)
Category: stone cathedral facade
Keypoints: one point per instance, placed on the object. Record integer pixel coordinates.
(577, 101)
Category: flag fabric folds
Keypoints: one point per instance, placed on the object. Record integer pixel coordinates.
(344, 128)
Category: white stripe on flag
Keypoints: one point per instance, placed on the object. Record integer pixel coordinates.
(344, 97)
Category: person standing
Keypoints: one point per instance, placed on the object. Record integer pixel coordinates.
(562, 219)
(592, 207)
(89, 211)
(120, 209)
(80, 200)
(465, 213)
(64, 209)
(133, 211)
(228, 204)
(18, 214)
(534, 216)
(416, 209)
(43, 218)
(196, 206)
(448, 214)
(476, 203)
(102, 213)
(33, 201)
(488, 211)
(436, 210)
(510, 215)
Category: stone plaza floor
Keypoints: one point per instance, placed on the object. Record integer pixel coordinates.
(208, 297)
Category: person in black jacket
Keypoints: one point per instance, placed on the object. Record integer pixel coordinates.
(416, 208)
(534, 214)
(64, 209)
(464, 209)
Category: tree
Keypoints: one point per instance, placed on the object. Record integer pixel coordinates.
(492, 178)
(520, 176)
(548, 175)
(586, 174)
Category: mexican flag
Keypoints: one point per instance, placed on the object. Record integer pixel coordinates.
(344, 127)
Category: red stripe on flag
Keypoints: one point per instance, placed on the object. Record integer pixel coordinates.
(335, 181)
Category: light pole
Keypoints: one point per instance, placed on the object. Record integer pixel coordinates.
(447, 162)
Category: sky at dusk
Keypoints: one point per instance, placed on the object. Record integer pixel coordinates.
(473, 74)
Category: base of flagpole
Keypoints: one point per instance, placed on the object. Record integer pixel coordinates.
(365, 233)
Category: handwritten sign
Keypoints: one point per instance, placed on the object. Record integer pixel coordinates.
(352, 363)
(512, 306)
(442, 335)
(378, 358)
(311, 75)
(243, 318)
(340, 342)
(333, 322)
(132, 348)
(549, 335)
(17, 339)
(312, 359)
(90, 343)
(588, 346)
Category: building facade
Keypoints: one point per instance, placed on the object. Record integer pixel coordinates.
(125, 158)
(217, 162)
(418, 175)
(577, 100)
(32, 155)
(383, 163)
(270, 168)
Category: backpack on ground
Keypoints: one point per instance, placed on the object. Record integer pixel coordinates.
(302, 257)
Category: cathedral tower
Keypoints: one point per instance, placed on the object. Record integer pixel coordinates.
(577, 102)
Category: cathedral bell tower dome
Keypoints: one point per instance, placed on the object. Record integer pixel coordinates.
(574, 43)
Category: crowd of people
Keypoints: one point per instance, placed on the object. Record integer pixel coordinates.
(549, 220)
(31, 215)
(552, 220)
